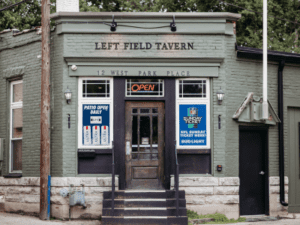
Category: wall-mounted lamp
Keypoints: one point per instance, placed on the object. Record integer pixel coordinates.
(173, 25)
(220, 95)
(113, 26)
(68, 95)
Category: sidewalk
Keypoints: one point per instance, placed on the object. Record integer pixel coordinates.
(17, 219)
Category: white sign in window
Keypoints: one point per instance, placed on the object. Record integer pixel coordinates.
(95, 122)
(144, 87)
(192, 113)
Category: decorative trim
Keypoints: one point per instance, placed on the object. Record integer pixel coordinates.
(13, 72)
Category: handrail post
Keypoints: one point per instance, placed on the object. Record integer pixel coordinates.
(113, 181)
(176, 184)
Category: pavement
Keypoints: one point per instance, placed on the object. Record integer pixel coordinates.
(17, 219)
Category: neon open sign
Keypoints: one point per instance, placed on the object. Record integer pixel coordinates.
(142, 87)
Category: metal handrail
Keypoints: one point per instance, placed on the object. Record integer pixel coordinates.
(176, 184)
(113, 181)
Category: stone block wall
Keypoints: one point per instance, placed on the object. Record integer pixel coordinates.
(276, 209)
(23, 195)
(208, 195)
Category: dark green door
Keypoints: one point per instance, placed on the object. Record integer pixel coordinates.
(294, 154)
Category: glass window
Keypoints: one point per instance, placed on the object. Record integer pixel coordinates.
(144, 87)
(16, 126)
(192, 114)
(95, 88)
(95, 113)
(192, 88)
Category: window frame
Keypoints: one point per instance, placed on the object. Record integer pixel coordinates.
(196, 101)
(94, 100)
(12, 106)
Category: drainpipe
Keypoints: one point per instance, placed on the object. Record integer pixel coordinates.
(280, 132)
(265, 113)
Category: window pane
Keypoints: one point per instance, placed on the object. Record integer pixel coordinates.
(17, 123)
(145, 110)
(134, 130)
(192, 88)
(16, 155)
(17, 92)
(155, 131)
(145, 130)
(95, 88)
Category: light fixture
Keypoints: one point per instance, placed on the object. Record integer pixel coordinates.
(173, 25)
(220, 95)
(68, 95)
(113, 26)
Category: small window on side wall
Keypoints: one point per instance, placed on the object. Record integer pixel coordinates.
(95, 117)
(16, 126)
(192, 114)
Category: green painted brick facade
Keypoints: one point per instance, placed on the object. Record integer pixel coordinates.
(236, 77)
(16, 51)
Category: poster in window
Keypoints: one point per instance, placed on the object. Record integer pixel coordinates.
(95, 125)
(192, 125)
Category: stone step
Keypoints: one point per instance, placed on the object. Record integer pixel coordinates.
(122, 203)
(142, 194)
(145, 220)
(144, 211)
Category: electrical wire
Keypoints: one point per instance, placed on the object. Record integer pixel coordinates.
(258, 12)
(119, 25)
(10, 6)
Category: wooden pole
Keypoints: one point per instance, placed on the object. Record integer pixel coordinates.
(45, 111)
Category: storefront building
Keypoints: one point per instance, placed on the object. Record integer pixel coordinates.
(146, 92)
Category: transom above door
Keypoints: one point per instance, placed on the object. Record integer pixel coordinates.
(144, 145)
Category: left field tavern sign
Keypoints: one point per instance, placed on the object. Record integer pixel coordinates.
(144, 46)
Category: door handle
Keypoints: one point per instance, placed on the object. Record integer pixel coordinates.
(262, 173)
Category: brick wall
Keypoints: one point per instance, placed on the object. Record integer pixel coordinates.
(16, 51)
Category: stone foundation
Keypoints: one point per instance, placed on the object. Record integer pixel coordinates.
(208, 195)
(23, 195)
(276, 209)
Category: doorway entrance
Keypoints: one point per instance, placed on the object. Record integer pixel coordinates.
(144, 145)
(253, 171)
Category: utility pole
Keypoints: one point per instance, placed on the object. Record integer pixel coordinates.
(45, 111)
(265, 105)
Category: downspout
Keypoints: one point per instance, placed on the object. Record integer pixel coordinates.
(280, 132)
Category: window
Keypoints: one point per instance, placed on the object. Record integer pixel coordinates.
(16, 125)
(192, 114)
(95, 122)
(144, 88)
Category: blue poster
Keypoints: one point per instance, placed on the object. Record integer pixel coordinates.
(192, 125)
(95, 125)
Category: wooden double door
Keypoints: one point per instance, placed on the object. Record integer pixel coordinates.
(144, 145)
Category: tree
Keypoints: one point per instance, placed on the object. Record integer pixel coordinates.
(283, 35)
(22, 16)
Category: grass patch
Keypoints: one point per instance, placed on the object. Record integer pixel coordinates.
(219, 218)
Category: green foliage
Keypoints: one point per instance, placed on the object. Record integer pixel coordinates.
(218, 218)
(22, 16)
(282, 35)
